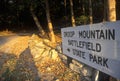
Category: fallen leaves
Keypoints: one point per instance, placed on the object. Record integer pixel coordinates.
(18, 62)
(16, 46)
(6, 33)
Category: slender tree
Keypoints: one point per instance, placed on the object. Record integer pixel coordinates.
(65, 5)
(50, 26)
(111, 10)
(72, 13)
(83, 7)
(84, 11)
(105, 10)
(90, 11)
(42, 32)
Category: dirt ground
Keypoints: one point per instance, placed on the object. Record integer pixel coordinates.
(26, 57)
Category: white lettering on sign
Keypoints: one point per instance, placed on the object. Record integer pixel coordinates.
(96, 45)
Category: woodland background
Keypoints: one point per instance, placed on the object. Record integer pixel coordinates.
(51, 15)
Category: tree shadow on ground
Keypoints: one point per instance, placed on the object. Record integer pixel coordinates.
(7, 65)
(18, 69)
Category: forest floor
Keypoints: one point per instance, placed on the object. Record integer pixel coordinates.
(27, 57)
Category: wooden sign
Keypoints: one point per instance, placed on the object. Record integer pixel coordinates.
(96, 45)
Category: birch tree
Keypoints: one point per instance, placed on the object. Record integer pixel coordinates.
(72, 13)
(90, 11)
(42, 32)
(111, 10)
(50, 26)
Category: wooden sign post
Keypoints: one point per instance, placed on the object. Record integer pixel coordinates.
(96, 45)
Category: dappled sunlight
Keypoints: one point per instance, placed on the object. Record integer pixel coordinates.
(32, 45)
(31, 58)
(16, 61)
(15, 46)
(6, 33)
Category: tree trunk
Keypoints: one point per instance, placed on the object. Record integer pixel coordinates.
(65, 4)
(83, 10)
(42, 32)
(83, 7)
(105, 11)
(50, 26)
(111, 10)
(112, 17)
(72, 13)
(90, 11)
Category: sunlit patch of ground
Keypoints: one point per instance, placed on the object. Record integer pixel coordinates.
(6, 33)
(15, 46)
(18, 62)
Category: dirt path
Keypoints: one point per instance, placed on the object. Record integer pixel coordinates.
(13, 44)
(27, 58)
(11, 48)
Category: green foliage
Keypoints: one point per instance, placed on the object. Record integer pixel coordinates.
(82, 20)
(17, 11)
(20, 7)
